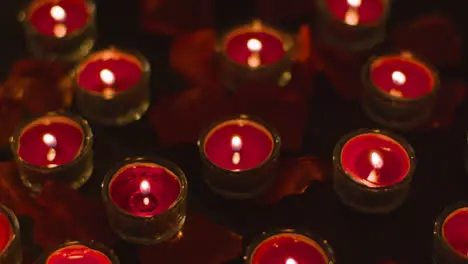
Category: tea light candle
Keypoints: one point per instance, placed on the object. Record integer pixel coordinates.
(355, 24)
(400, 90)
(113, 87)
(254, 51)
(145, 199)
(56, 146)
(239, 155)
(373, 170)
(451, 236)
(80, 253)
(61, 29)
(289, 247)
(10, 245)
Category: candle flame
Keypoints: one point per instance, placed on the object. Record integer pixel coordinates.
(236, 158)
(352, 17)
(354, 3)
(49, 140)
(236, 143)
(254, 45)
(60, 30)
(51, 155)
(376, 160)
(58, 13)
(291, 261)
(107, 77)
(145, 187)
(398, 78)
(146, 201)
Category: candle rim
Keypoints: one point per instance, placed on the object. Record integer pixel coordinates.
(76, 121)
(285, 38)
(13, 225)
(92, 245)
(26, 15)
(400, 142)
(406, 56)
(385, 12)
(319, 243)
(112, 53)
(447, 216)
(269, 131)
(170, 167)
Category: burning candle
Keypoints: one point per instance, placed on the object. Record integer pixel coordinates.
(451, 236)
(239, 154)
(289, 247)
(400, 90)
(145, 199)
(55, 146)
(254, 51)
(10, 245)
(357, 24)
(80, 253)
(373, 170)
(113, 87)
(60, 28)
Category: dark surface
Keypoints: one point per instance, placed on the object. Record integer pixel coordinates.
(404, 236)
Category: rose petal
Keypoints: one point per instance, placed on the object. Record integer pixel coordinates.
(192, 55)
(11, 114)
(81, 218)
(295, 177)
(14, 195)
(40, 86)
(450, 96)
(434, 37)
(176, 16)
(180, 118)
(281, 11)
(201, 242)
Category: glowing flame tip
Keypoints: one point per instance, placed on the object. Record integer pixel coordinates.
(58, 13)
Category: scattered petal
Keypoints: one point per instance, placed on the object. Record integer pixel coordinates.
(295, 177)
(11, 114)
(201, 242)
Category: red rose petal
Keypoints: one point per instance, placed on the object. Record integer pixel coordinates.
(176, 16)
(82, 218)
(11, 114)
(295, 177)
(201, 242)
(433, 37)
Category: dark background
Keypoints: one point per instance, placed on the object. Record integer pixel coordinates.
(404, 236)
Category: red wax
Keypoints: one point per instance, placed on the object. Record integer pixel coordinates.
(288, 249)
(126, 192)
(76, 11)
(69, 140)
(418, 82)
(127, 71)
(6, 232)
(455, 231)
(257, 145)
(77, 254)
(370, 11)
(272, 51)
(356, 160)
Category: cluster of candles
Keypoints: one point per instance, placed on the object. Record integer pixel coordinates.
(145, 198)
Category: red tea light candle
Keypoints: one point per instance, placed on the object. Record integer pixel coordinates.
(254, 51)
(10, 245)
(55, 146)
(355, 24)
(60, 28)
(80, 253)
(289, 247)
(113, 87)
(145, 199)
(451, 236)
(373, 170)
(400, 90)
(239, 156)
